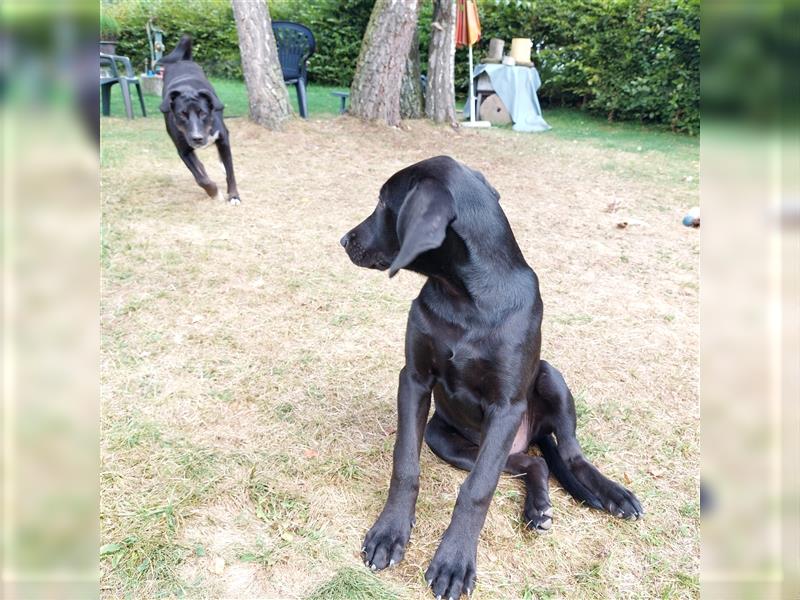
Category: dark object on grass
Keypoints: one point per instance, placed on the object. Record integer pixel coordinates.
(110, 75)
(692, 217)
(295, 44)
(707, 499)
(473, 340)
(193, 116)
(343, 96)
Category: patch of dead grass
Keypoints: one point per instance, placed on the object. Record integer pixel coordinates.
(249, 370)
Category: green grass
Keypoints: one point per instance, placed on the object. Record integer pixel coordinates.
(568, 123)
(147, 550)
(234, 96)
(578, 125)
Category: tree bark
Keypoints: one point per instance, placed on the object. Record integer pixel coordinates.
(440, 97)
(375, 93)
(411, 102)
(266, 92)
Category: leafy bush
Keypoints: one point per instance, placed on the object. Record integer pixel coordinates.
(625, 59)
(338, 27)
(210, 23)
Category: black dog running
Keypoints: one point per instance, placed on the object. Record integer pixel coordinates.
(193, 115)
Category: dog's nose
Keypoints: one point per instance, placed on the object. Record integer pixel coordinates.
(197, 139)
(345, 239)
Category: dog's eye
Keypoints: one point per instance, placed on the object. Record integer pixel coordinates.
(185, 114)
(201, 114)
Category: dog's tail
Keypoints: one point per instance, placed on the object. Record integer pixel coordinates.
(562, 473)
(183, 51)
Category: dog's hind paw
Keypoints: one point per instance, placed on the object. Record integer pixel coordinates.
(538, 520)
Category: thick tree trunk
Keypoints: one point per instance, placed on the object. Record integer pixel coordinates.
(411, 106)
(375, 93)
(269, 101)
(440, 97)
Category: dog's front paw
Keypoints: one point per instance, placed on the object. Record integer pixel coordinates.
(234, 200)
(452, 571)
(385, 543)
(620, 501)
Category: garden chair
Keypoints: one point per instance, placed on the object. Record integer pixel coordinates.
(109, 75)
(295, 44)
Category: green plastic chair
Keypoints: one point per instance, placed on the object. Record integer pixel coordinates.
(110, 75)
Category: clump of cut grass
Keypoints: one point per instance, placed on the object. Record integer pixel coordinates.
(536, 592)
(278, 508)
(290, 527)
(354, 584)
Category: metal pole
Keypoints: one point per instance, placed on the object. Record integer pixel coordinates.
(150, 43)
(471, 90)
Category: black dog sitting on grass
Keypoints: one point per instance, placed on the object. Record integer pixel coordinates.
(193, 115)
(473, 340)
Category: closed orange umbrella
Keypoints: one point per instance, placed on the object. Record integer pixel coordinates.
(468, 25)
(468, 31)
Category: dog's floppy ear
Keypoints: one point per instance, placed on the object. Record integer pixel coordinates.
(422, 223)
(166, 103)
(213, 101)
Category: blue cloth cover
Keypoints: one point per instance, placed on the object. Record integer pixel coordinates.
(516, 87)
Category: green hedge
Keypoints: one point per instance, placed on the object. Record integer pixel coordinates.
(210, 23)
(625, 59)
(338, 27)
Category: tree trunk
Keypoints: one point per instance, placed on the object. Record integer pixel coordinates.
(411, 87)
(266, 92)
(440, 97)
(375, 93)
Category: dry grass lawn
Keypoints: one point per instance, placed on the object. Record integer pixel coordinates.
(249, 369)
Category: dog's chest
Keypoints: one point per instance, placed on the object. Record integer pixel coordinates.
(466, 383)
(465, 370)
(475, 363)
(212, 139)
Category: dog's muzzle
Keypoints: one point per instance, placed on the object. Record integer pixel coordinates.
(359, 256)
(199, 141)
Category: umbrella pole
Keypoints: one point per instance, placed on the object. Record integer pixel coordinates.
(473, 122)
(471, 89)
